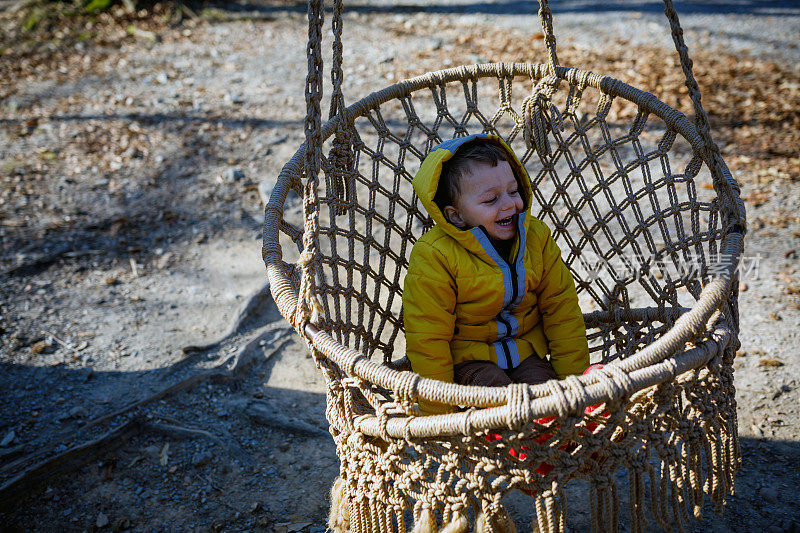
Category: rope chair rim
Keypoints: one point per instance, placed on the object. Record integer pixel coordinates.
(654, 363)
(510, 411)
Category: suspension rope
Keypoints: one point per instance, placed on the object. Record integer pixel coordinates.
(313, 160)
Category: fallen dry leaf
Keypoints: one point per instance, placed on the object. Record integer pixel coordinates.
(40, 347)
(164, 455)
(770, 361)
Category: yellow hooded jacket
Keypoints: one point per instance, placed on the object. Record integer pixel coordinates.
(462, 301)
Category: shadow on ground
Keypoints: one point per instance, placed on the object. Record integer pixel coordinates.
(220, 453)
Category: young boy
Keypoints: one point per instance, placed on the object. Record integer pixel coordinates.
(487, 296)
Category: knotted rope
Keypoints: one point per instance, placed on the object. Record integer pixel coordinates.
(341, 157)
(306, 303)
(727, 188)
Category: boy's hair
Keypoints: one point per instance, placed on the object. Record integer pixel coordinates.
(477, 151)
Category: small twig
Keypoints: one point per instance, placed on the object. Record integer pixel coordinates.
(81, 253)
(134, 270)
(146, 34)
(169, 419)
(62, 342)
(231, 446)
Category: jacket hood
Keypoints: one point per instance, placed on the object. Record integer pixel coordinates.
(426, 182)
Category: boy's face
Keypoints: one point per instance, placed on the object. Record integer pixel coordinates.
(488, 196)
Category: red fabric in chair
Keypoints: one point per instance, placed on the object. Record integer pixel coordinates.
(545, 468)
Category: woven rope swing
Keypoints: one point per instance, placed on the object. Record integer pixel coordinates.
(649, 221)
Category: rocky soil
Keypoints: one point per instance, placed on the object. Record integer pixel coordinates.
(135, 159)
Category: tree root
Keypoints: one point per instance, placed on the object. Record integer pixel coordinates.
(74, 458)
(242, 360)
(67, 461)
(254, 304)
(39, 262)
(262, 413)
(269, 341)
(237, 364)
(11, 453)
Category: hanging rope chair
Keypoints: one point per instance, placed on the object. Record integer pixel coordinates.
(625, 192)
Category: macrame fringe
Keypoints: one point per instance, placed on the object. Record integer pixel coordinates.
(426, 523)
(699, 463)
(696, 461)
(636, 499)
(458, 524)
(604, 505)
(339, 517)
(550, 512)
(494, 521)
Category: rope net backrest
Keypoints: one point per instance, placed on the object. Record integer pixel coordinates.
(649, 222)
(627, 199)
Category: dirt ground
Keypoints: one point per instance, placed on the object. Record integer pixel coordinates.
(135, 159)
